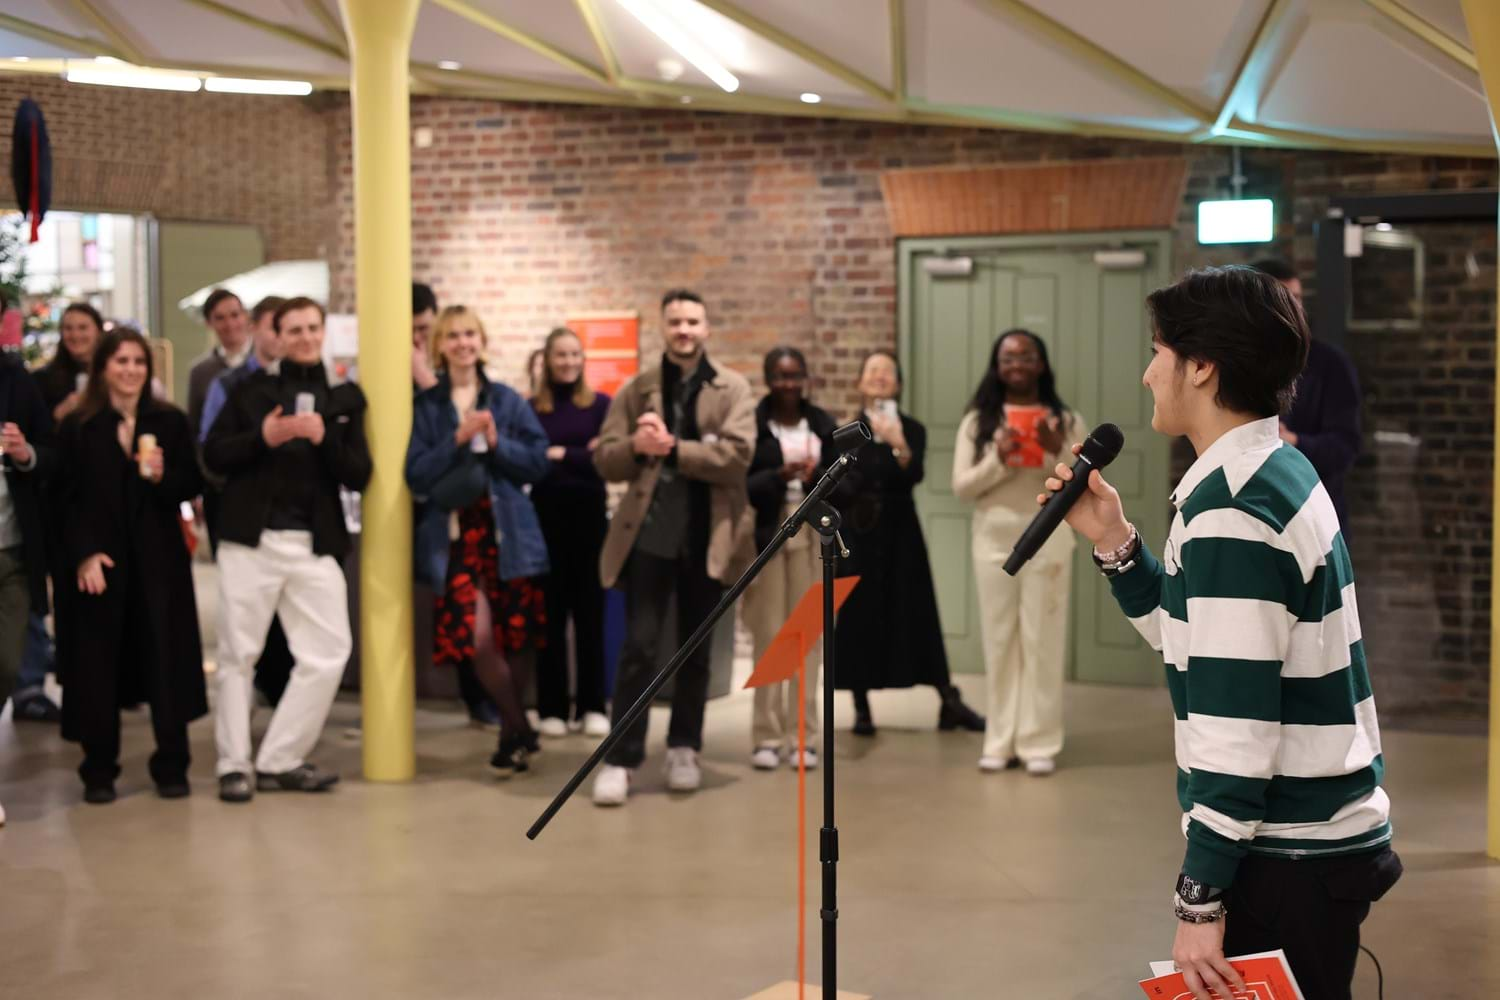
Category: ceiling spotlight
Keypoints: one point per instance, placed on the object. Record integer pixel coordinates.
(811, 99)
(669, 69)
(682, 43)
(449, 64)
(685, 99)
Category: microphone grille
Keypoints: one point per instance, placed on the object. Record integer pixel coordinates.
(1103, 445)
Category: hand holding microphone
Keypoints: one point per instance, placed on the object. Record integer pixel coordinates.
(1098, 514)
(1068, 487)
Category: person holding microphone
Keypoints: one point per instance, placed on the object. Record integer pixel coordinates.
(1013, 432)
(1253, 609)
(129, 462)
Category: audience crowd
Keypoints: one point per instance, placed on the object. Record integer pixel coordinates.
(513, 538)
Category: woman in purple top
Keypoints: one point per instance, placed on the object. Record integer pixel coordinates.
(570, 503)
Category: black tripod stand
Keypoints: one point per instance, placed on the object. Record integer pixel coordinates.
(825, 520)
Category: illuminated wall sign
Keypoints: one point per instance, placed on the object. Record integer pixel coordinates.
(1241, 221)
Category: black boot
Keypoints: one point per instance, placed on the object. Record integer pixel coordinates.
(512, 757)
(864, 724)
(956, 715)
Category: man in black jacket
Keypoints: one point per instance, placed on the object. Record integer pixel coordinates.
(285, 442)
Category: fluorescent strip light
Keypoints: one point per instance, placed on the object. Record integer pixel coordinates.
(236, 85)
(449, 65)
(141, 80)
(682, 43)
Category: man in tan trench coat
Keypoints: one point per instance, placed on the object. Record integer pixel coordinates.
(681, 434)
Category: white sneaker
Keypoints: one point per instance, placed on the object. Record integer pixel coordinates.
(683, 774)
(809, 759)
(595, 724)
(1040, 767)
(992, 764)
(552, 727)
(766, 758)
(612, 785)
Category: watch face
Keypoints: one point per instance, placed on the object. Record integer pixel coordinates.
(1191, 890)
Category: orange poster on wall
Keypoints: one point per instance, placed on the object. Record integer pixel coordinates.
(611, 347)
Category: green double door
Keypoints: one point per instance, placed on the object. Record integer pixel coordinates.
(1092, 318)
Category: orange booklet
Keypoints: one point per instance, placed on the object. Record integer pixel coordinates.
(1023, 420)
(1266, 975)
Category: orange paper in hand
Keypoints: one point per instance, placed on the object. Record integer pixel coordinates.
(788, 651)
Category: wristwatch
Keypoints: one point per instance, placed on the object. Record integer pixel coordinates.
(1195, 893)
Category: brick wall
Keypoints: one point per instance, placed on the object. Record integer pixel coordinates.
(529, 212)
(186, 157)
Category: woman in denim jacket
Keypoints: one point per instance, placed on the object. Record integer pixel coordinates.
(475, 445)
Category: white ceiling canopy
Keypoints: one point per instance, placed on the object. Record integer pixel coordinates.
(1394, 75)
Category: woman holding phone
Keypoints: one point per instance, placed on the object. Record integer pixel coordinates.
(1015, 429)
(63, 378)
(129, 462)
(792, 450)
(474, 445)
(889, 634)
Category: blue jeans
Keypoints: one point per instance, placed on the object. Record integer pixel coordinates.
(36, 658)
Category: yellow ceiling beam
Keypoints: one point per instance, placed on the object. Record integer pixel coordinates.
(331, 24)
(281, 31)
(1248, 82)
(517, 88)
(1414, 24)
(898, 50)
(62, 40)
(493, 24)
(1238, 131)
(596, 31)
(798, 48)
(1100, 58)
(117, 38)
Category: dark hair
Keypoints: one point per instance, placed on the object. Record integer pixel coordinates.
(989, 398)
(422, 298)
(682, 295)
(541, 400)
(293, 304)
(1276, 267)
(776, 355)
(266, 306)
(4, 302)
(215, 297)
(89, 311)
(96, 396)
(1243, 322)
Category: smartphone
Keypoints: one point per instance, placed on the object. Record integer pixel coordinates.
(305, 403)
(887, 408)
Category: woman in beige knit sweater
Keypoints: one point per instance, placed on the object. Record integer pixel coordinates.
(1014, 432)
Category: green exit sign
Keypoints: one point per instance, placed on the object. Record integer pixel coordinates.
(1240, 221)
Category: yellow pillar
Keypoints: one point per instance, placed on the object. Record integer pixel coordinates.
(380, 34)
(1483, 17)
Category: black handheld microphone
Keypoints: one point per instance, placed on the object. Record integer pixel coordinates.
(1098, 451)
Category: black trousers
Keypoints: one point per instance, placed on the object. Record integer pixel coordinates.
(101, 729)
(649, 582)
(1311, 908)
(574, 526)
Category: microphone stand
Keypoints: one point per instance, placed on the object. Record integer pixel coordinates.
(825, 520)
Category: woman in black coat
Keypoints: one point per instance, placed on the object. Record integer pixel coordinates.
(134, 620)
(793, 448)
(889, 634)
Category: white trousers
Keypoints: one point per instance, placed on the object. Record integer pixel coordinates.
(280, 576)
(768, 603)
(1024, 626)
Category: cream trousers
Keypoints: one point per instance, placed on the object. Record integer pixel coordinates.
(1024, 627)
(768, 603)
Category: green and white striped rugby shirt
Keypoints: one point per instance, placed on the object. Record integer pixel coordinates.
(1252, 607)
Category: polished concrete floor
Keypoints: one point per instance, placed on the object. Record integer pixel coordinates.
(953, 884)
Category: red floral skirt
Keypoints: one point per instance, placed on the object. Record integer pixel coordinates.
(518, 611)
